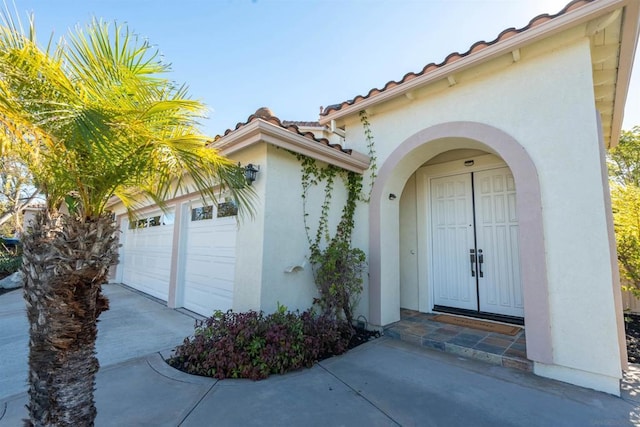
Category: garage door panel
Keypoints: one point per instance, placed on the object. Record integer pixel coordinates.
(211, 273)
(147, 259)
(221, 255)
(210, 256)
(212, 300)
(212, 238)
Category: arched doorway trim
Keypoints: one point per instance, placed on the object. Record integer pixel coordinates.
(384, 227)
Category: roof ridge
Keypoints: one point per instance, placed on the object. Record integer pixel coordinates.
(302, 123)
(266, 115)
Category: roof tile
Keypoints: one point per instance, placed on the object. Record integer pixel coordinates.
(455, 56)
(266, 115)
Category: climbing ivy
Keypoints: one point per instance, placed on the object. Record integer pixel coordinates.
(373, 165)
(337, 268)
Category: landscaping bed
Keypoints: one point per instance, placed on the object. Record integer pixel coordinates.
(255, 345)
(632, 330)
(362, 336)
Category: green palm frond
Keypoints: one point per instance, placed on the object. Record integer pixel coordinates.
(94, 116)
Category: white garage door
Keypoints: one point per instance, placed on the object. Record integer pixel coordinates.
(209, 261)
(146, 254)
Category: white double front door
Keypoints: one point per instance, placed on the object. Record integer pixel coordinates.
(474, 232)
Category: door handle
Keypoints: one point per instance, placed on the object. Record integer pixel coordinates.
(472, 259)
(480, 262)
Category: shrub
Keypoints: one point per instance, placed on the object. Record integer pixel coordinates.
(325, 336)
(626, 215)
(338, 276)
(254, 345)
(9, 263)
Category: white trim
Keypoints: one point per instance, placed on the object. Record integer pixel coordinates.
(185, 217)
(627, 52)
(123, 226)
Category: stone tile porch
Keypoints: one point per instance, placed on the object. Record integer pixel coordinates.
(499, 349)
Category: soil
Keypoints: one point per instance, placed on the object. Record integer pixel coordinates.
(632, 329)
(362, 336)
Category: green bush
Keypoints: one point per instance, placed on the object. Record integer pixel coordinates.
(9, 263)
(338, 276)
(626, 215)
(254, 345)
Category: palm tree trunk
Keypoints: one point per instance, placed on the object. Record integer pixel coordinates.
(65, 261)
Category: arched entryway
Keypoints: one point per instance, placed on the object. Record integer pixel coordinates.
(459, 246)
(398, 168)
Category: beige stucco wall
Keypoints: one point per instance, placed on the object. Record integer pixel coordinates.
(250, 238)
(545, 102)
(409, 295)
(287, 276)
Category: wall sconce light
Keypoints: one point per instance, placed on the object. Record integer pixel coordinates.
(392, 196)
(250, 172)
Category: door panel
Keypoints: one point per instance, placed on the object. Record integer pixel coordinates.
(452, 232)
(146, 257)
(209, 267)
(476, 211)
(500, 290)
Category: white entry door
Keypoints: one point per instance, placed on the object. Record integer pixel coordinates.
(452, 239)
(475, 243)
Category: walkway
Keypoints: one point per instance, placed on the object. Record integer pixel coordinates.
(386, 382)
(499, 349)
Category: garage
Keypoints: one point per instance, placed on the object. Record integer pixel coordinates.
(209, 258)
(146, 253)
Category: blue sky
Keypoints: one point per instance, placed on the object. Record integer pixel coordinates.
(295, 55)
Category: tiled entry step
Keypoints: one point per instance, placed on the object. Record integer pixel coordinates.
(420, 328)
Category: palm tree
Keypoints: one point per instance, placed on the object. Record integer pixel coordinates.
(93, 118)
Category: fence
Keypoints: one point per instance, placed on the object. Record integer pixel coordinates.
(630, 304)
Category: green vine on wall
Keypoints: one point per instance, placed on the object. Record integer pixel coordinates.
(337, 268)
(373, 160)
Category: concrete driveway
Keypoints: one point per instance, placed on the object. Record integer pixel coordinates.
(134, 326)
(385, 382)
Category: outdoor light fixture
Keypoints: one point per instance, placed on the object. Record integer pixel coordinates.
(251, 172)
(392, 196)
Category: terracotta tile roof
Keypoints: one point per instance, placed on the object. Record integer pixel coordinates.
(266, 115)
(455, 56)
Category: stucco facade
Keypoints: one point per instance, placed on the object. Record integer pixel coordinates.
(564, 148)
(533, 105)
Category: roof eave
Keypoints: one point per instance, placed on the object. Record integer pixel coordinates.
(262, 131)
(544, 30)
(628, 43)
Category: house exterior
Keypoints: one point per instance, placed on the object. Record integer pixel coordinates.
(491, 198)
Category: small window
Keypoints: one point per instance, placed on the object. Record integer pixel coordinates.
(204, 212)
(141, 223)
(154, 221)
(227, 209)
(168, 219)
